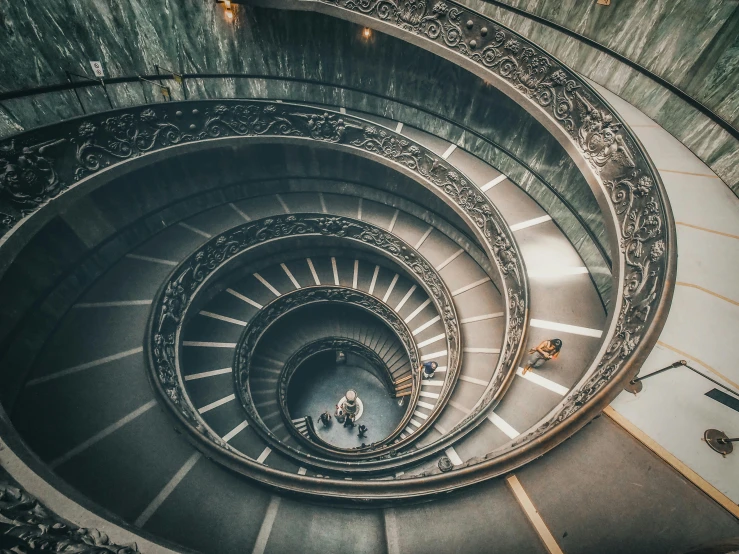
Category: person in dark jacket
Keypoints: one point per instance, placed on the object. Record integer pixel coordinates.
(428, 369)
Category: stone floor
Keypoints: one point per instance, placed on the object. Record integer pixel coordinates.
(319, 385)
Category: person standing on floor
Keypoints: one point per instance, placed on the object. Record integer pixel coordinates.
(325, 418)
(362, 431)
(547, 350)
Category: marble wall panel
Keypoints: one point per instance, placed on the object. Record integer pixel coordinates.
(129, 37)
(693, 45)
(665, 36)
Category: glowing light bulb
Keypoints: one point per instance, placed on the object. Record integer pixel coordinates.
(366, 33)
(229, 15)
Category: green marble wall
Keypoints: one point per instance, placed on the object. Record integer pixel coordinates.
(693, 44)
(192, 36)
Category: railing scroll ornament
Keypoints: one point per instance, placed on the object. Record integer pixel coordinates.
(270, 314)
(26, 525)
(39, 165)
(170, 308)
(631, 185)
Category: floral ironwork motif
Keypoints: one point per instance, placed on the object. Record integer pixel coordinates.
(103, 140)
(601, 138)
(26, 526)
(170, 308)
(249, 340)
(28, 177)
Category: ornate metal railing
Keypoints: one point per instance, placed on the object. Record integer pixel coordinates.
(170, 309)
(381, 371)
(270, 314)
(626, 183)
(41, 164)
(44, 163)
(26, 525)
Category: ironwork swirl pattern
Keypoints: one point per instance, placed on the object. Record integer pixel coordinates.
(26, 525)
(300, 298)
(37, 169)
(170, 308)
(37, 166)
(632, 186)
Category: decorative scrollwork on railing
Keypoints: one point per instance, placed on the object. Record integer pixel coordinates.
(269, 314)
(631, 185)
(396, 249)
(26, 525)
(41, 164)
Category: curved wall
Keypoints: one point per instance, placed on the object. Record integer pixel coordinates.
(693, 46)
(284, 44)
(86, 234)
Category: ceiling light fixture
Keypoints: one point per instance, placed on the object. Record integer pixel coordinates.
(366, 33)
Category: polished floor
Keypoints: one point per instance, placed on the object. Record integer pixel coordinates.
(322, 383)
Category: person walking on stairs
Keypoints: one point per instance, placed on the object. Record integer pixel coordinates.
(428, 369)
(547, 350)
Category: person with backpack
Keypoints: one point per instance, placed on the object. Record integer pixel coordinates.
(547, 350)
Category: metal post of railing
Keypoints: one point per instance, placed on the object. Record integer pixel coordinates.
(101, 81)
(105, 90)
(179, 78)
(76, 93)
(719, 442)
(166, 91)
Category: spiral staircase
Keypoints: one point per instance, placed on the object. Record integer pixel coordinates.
(200, 258)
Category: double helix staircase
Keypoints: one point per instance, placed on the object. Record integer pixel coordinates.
(99, 342)
(89, 412)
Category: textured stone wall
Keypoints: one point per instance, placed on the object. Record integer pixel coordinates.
(129, 37)
(693, 45)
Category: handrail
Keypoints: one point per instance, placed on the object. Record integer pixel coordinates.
(509, 153)
(279, 307)
(635, 385)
